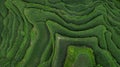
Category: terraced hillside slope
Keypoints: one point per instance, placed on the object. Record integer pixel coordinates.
(59, 33)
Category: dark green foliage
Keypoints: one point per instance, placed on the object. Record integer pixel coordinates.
(59, 33)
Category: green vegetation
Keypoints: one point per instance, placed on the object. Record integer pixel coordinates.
(59, 33)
